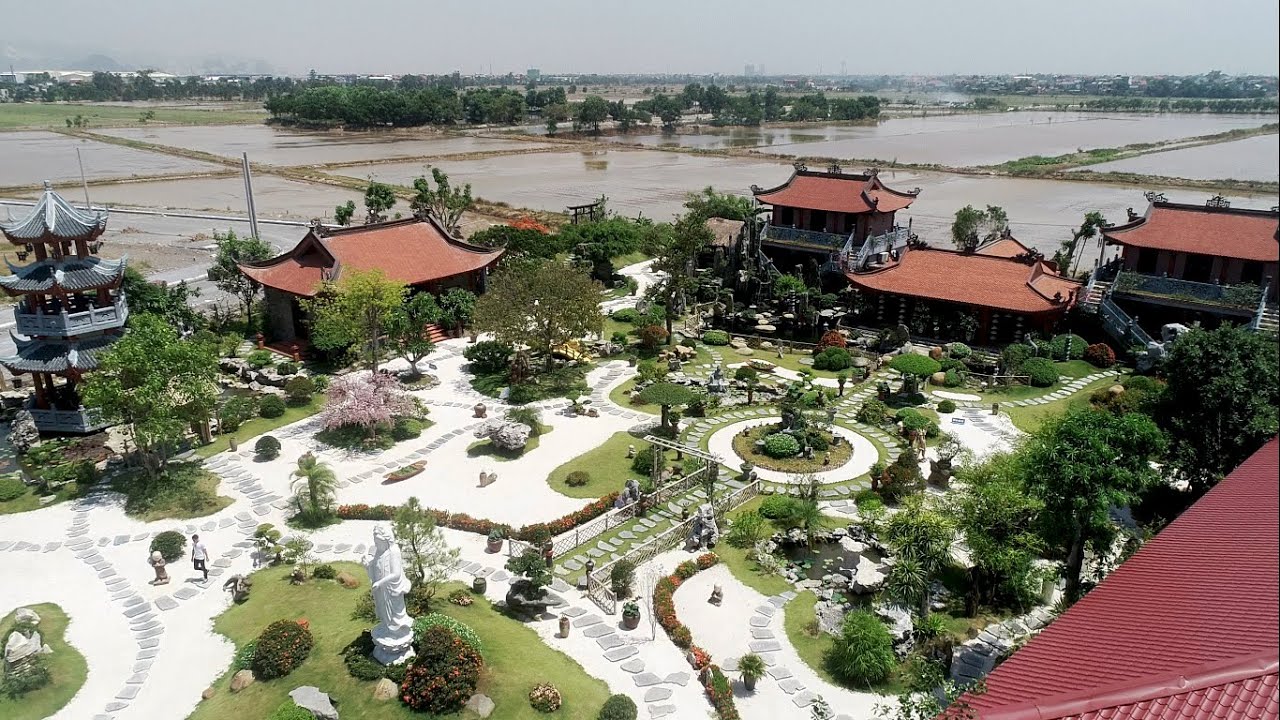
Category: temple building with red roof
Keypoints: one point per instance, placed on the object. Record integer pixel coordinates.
(830, 211)
(415, 251)
(1184, 629)
(999, 291)
(1185, 263)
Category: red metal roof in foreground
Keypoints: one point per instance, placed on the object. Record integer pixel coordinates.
(836, 192)
(980, 280)
(409, 251)
(1226, 232)
(1186, 628)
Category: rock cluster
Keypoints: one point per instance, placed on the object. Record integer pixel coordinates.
(973, 660)
(505, 434)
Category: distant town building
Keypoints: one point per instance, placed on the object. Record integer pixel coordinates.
(532, 75)
(70, 307)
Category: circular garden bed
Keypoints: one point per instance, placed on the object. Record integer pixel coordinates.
(747, 448)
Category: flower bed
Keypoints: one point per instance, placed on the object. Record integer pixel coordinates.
(664, 606)
(482, 526)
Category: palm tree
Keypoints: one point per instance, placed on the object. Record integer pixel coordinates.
(314, 487)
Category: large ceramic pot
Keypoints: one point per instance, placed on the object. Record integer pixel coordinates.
(479, 585)
(631, 622)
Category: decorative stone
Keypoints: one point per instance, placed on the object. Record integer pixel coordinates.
(480, 704)
(385, 690)
(208, 693)
(27, 616)
(242, 680)
(318, 703)
(20, 647)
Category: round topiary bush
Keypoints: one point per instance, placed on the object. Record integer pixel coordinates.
(577, 478)
(267, 448)
(271, 406)
(287, 368)
(715, 337)
(781, 445)
(778, 507)
(1100, 355)
(443, 675)
(544, 697)
(299, 389)
(952, 378)
(281, 648)
(959, 350)
(913, 364)
(289, 711)
(11, 489)
(833, 359)
(422, 624)
(1041, 371)
(863, 652)
(324, 572)
(1014, 355)
(171, 544)
(1058, 347)
(626, 315)
(946, 407)
(488, 357)
(618, 707)
(912, 420)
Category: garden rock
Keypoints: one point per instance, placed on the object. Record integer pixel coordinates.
(208, 693)
(20, 647)
(385, 690)
(480, 704)
(869, 576)
(505, 435)
(830, 617)
(23, 433)
(317, 703)
(242, 680)
(900, 626)
(27, 616)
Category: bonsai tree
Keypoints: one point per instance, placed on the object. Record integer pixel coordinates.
(750, 379)
(913, 367)
(267, 448)
(621, 575)
(667, 395)
(751, 666)
(534, 575)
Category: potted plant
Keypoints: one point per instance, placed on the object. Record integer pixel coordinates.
(751, 666)
(630, 615)
(496, 536)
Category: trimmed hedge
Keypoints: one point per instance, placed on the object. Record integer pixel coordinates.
(710, 337)
(781, 445)
(833, 359)
(289, 711)
(422, 624)
(488, 357)
(281, 648)
(171, 544)
(1041, 371)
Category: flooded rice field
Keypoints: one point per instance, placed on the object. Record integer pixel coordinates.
(1255, 158)
(276, 146)
(960, 140)
(27, 158)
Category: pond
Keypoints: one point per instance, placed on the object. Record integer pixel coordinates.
(825, 558)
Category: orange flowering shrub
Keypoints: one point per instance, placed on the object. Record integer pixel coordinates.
(444, 673)
(280, 649)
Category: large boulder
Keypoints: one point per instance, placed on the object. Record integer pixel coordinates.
(26, 616)
(480, 704)
(318, 703)
(830, 616)
(23, 433)
(868, 577)
(19, 647)
(505, 435)
(900, 626)
(242, 679)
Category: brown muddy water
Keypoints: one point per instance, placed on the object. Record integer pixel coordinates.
(27, 158)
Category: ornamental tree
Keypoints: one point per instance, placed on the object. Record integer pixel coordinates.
(429, 559)
(378, 199)
(921, 541)
(914, 368)
(232, 252)
(406, 329)
(667, 395)
(356, 310)
(1082, 464)
(445, 202)
(366, 400)
(972, 226)
(157, 385)
(540, 305)
(677, 251)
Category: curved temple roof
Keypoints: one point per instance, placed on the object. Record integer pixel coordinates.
(57, 356)
(53, 219)
(836, 192)
(66, 275)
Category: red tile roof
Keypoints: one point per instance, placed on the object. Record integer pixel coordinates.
(836, 193)
(1186, 628)
(409, 251)
(1004, 247)
(979, 280)
(1226, 232)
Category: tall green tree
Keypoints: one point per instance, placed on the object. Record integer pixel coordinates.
(591, 112)
(157, 385)
(378, 199)
(666, 395)
(342, 213)
(920, 538)
(676, 254)
(232, 252)
(170, 302)
(429, 559)
(1080, 465)
(972, 226)
(711, 204)
(444, 201)
(1088, 230)
(314, 485)
(406, 329)
(540, 305)
(1219, 405)
(355, 310)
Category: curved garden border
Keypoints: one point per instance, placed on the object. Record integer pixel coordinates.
(864, 456)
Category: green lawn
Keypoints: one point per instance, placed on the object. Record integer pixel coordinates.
(184, 491)
(607, 464)
(621, 396)
(259, 425)
(1068, 371)
(30, 500)
(741, 565)
(66, 666)
(54, 115)
(1029, 418)
(515, 657)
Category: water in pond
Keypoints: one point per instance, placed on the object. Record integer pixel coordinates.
(825, 558)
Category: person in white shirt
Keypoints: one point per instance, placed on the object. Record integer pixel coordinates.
(199, 555)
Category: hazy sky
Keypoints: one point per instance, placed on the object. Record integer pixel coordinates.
(662, 36)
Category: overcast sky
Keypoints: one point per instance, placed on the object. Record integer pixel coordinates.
(656, 36)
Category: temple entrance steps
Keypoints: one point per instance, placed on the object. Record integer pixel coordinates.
(1092, 299)
(1269, 319)
(436, 332)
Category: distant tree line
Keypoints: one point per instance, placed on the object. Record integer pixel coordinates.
(1190, 105)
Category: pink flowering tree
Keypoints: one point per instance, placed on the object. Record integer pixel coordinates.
(366, 400)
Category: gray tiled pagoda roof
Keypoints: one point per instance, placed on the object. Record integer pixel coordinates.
(68, 274)
(56, 356)
(53, 218)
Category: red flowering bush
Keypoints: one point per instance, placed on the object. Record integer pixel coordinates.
(706, 560)
(1100, 355)
(720, 693)
(686, 569)
(444, 673)
(681, 636)
(280, 649)
(701, 658)
(528, 223)
(831, 338)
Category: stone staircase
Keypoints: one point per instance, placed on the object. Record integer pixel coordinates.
(1093, 298)
(1269, 319)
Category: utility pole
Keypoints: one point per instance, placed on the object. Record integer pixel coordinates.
(248, 193)
(83, 182)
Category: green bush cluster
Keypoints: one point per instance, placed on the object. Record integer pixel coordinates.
(324, 572)
(618, 707)
(235, 411)
(872, 412)
(715, 337)
(289, 711)
(747, 529)
(171, 544)
(863, 652)
(464, 632)
(1012, 357)
(287, 368)
(642, 463)
(577, 478)
(271, 406)
(621, 575)
(406, 428)
(779, 507)
(11, 488)
(1041, 371)
(488, 357)
(959, 350)
(259, 359)
(299, 390)
(35, 675)
(267, 448)
(1057, 348)
(281, 648)
(626, 315)
(781, 445)
(946, 407)
(952, 378)
(833, 359)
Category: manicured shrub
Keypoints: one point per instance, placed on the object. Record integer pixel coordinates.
(299, 389)
(952, 379)
(281, 648)
(642, 463)
(422, 624)
(872, 412)
(863, 652)
(171, 544)
(324, 572)
(358, 657)
(271, 406)
(577, 478)
(11, 488)
(712, 337)
(781, 445)
(952, 364)
(289, 711)
(621, 575)
(946, 407)
(35, 675)
(651, 336)
(443, 675)
(686, 570)
(488, 357)
(902, 477)
(681, 636)
(959, 350)
(405, 428)
(1012, 357)
(267, 448)
(1041, 371)
(244, 656)
(544, 697)
(1058, 347)
(1100, 355)
(912, 420)
(829, 339)
(235, 411)
(779, 507)
(746, 529)
(287, 368)
(259, 359)
(833, 358)
(626, 315)
(618, 707)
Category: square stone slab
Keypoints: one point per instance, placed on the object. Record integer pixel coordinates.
(572, 612)
(779, 673)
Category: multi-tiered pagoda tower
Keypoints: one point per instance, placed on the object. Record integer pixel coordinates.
(70, 307)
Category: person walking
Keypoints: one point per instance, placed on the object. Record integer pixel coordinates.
(199, 556)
